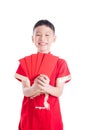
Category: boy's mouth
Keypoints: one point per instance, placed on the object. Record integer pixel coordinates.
(42, 43)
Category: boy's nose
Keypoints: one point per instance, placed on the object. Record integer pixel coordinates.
(42, 37)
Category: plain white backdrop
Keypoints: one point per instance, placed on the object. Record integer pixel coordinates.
(16, 22)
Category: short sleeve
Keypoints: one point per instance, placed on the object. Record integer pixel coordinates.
(63, 74)
(20, 74)
(20, 70)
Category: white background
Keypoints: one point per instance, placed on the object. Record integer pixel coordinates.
(17, 18)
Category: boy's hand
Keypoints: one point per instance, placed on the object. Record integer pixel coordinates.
(40, 82)
(43, 80)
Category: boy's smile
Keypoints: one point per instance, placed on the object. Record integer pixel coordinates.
(42, 43)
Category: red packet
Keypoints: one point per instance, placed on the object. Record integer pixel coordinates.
(26, 65)
(39, 62)
(48, 63)
(33, 64)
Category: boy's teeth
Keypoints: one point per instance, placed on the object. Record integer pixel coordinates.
(42, 43)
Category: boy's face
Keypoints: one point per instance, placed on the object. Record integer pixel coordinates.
(43, 37)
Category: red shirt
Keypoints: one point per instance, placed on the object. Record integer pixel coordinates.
(33, 114)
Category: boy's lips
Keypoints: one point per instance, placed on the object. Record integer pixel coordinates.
(42, 43)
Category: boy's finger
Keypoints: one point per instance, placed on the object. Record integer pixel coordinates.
(45, 76)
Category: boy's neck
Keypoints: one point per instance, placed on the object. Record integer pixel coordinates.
(43, 51)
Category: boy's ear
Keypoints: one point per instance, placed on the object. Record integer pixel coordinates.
(55, 38)
(32, 39)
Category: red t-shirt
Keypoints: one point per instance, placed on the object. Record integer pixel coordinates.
(33, 117)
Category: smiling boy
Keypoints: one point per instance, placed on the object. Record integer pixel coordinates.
(43, 76)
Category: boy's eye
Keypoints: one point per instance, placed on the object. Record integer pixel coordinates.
(41, 35)
(38, 35)
(47, 34)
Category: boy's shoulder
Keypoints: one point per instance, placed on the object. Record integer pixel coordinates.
(27, 56)
(60, 59)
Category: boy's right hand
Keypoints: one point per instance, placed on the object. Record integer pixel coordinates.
(36, 87)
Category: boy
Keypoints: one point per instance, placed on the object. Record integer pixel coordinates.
(43, 76)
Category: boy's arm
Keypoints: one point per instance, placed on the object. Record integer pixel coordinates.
(45, 87)
(41, 85)
(31, 91)
(28, 90)
(53, 90)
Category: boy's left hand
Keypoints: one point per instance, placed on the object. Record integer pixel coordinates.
(43, 81)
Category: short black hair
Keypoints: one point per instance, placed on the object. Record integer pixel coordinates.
(46, 23)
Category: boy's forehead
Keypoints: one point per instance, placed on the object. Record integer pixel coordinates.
(43, 28)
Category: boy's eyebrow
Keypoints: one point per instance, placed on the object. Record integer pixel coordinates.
(38, 32)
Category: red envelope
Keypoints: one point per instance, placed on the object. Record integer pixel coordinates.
(48, 63)
(37, 64)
